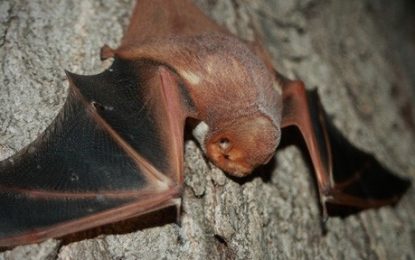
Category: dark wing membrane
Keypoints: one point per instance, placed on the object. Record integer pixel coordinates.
(349, 180)
(359, 179)
(105, 150)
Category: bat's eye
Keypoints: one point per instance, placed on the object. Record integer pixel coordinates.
(224, 144)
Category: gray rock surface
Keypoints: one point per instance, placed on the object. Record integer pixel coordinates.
(359, 53)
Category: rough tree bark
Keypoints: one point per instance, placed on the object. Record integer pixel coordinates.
(361, 56)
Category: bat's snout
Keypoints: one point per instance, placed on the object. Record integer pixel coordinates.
(242, 145)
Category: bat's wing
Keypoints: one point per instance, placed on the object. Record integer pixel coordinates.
(115, 151)
(160, 19)
(349, 180)
(154, 21)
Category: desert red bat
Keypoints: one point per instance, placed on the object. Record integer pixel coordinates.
(115, 150)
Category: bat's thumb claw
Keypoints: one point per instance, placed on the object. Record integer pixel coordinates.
(106, 52)
(324, 213)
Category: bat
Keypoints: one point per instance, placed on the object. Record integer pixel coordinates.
(115, 151)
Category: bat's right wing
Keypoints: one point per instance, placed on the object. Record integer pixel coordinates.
(349, 180)
(115, 151)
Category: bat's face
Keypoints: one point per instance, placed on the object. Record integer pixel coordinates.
(234, 93)
(238, 147)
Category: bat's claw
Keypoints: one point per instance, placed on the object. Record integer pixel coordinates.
(106, 52)
(324, 213)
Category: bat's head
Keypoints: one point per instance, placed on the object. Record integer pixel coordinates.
(239, 146)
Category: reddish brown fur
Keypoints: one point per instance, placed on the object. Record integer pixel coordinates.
(235, 93)
(228, 83)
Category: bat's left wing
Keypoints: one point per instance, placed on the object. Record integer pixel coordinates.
(349, 180)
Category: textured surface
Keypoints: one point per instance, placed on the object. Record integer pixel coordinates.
(360, 55)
